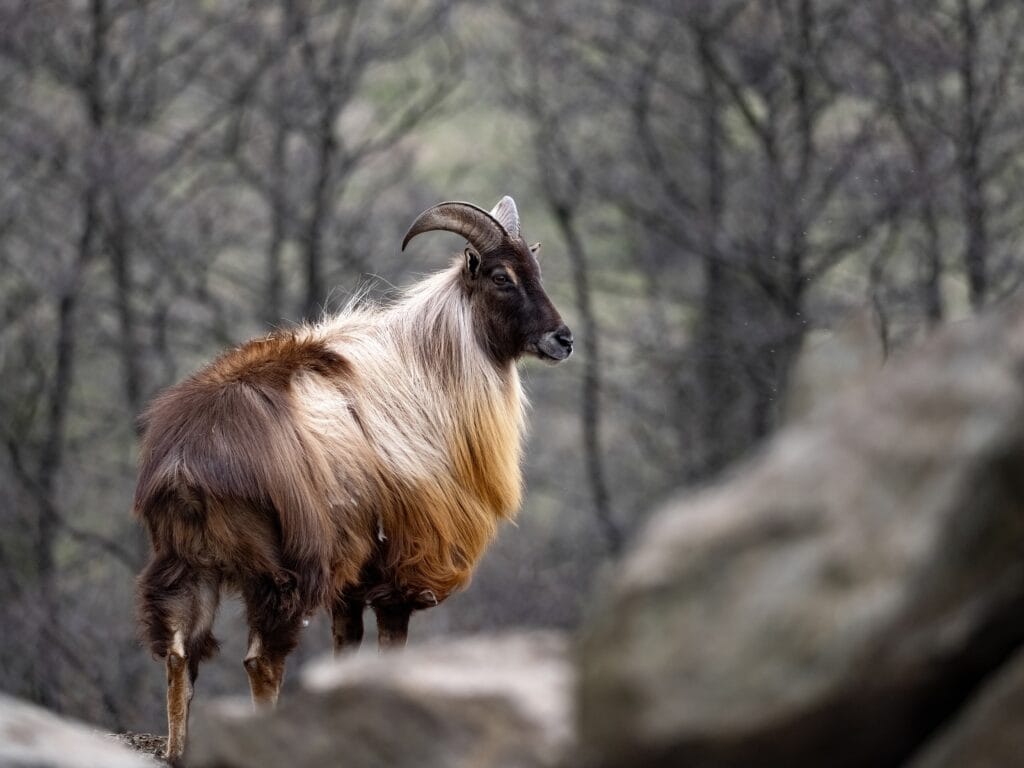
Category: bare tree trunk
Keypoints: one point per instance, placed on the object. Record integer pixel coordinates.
(327, 147)
(929, 264)
(51, 457)
(274, 303)
(333, 85)
(932, 280)
(590, 402)
(716, 382)
(802, 66)
(120, 257)
(561, 180)
(969, 158)
(788, 223)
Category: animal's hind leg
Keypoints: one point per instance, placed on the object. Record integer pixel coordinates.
(190, 644)
(273, 634)
(180, 688)
(178, 606)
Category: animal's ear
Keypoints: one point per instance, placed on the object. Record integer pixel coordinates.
(507, 215)
(472, 261)
(535, 250)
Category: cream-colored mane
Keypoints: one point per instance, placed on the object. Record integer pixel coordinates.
(437, 426)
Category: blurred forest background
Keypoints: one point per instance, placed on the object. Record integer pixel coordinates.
(716, 184)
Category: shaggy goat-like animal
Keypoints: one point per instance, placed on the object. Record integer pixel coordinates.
(364, 460)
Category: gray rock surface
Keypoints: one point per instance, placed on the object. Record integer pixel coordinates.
(31, 737)
(500, 701)
(839, 597)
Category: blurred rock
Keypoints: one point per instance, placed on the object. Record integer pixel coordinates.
(839, 598)
(990, 732)
(482, 702)
(33, 737)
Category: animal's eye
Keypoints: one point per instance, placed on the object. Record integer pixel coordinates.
(500, 278)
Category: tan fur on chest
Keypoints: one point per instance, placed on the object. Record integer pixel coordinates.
(437, 482)
(439, 532)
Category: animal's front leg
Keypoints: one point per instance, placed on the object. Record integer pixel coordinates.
(265, 671)
(347, 624)
(392, 625)
(272, 636)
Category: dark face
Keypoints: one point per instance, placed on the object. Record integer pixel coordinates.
(512, 313)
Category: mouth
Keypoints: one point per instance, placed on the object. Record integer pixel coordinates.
(550, 352)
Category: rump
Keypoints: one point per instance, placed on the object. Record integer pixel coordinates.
(227, 480)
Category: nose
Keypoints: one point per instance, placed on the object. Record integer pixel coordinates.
(564, 337)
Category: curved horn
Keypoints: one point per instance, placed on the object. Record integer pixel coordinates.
(481, 229)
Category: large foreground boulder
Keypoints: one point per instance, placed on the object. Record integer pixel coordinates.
(31, 737)
(841, 596)
(485, 702)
